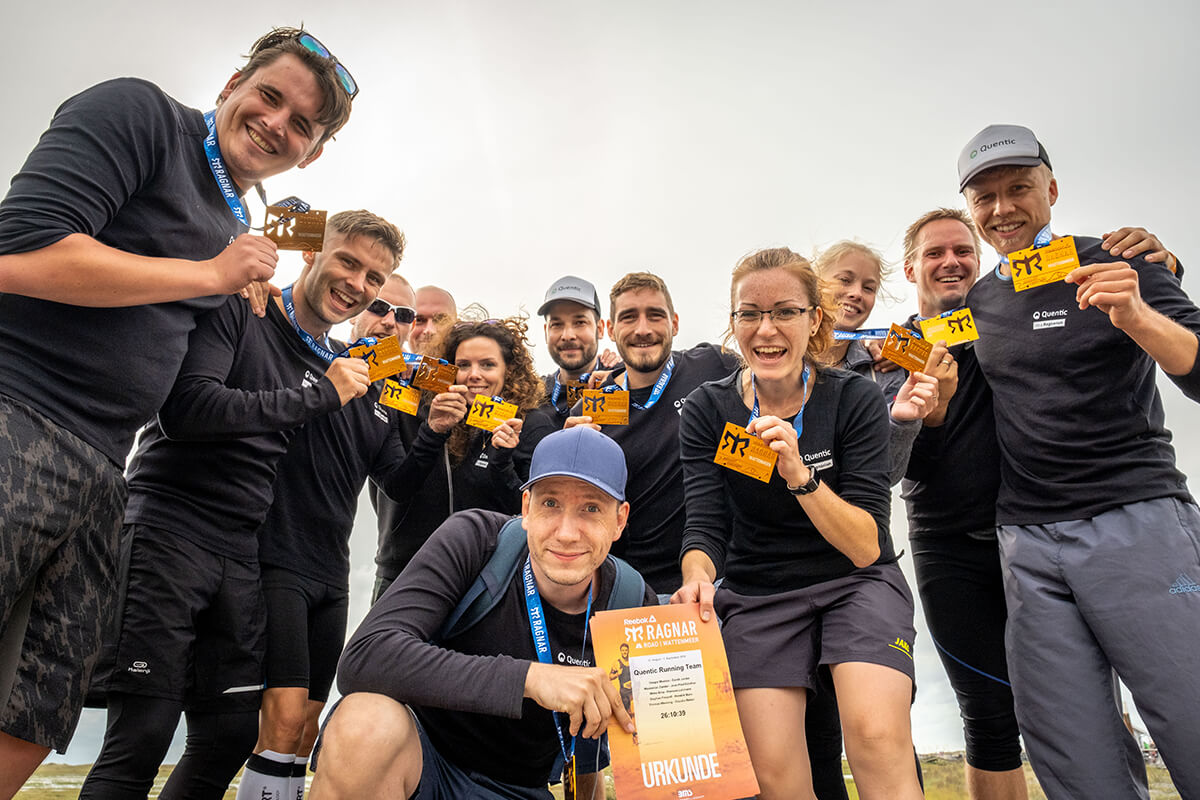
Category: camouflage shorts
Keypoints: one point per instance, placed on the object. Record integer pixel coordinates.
(61, 505)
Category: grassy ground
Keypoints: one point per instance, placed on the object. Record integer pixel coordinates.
(943, 781)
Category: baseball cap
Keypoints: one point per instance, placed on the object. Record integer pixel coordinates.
(577, 290)
(999, 145)
(581, 453)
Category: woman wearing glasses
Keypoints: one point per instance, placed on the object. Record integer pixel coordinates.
(810, 573)
(467, 467)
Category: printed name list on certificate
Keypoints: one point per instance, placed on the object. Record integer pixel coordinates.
(673, 677)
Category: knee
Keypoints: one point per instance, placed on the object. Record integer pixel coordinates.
(283, 729)
(876, 736)
(367, 733)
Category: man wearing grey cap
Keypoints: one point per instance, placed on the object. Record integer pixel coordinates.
(574, 328)
(1099, 536)
(433, 708)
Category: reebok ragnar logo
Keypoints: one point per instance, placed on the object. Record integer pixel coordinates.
(1184, 585)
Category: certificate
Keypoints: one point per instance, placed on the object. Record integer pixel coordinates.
(673, 678)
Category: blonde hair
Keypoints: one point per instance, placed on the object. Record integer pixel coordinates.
(802, 270)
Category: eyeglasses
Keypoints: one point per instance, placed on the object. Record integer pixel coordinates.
(404, 314)
(752, 318)
(313, 44)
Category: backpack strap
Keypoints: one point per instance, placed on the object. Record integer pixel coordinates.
(489, 586)
(629, 587)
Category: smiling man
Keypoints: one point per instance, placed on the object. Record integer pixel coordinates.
(643, 323)
(1089, 497)
(129, 210)
(574, 327)
(391, 314)
(476, 710)
(200, 485)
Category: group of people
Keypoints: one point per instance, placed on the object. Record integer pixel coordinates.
(203, 570)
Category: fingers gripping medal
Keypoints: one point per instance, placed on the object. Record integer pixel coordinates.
(292, 225)
(490, 413)
(744, 452)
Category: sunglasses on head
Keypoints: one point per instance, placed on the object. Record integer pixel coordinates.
(314, 45)
(404, 314)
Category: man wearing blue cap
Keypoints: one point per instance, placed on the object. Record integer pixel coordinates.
(439, 703)
(1099, 536)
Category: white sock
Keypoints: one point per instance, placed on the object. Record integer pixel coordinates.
(299, 776)
(267, 776)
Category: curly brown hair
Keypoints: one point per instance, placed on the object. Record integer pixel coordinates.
(522, 385)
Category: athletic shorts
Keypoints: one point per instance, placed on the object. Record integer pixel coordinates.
(306, 630)
(61, 503)
(193, 626)
(779, 640)
(443, 780)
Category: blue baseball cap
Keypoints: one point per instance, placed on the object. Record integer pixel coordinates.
(584, 454)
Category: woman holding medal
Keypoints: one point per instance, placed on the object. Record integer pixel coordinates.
(854, 275)
(810, 573)
(463, 466)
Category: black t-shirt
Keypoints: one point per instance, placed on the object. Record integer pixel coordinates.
(469, 691)
(124, 163)
(488, 478)
(652, 538)
(954, 470)
(307, 530)
(1078, 415)
(245, 385)
(757, 532)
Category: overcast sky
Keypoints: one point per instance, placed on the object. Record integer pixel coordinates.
(518, 141)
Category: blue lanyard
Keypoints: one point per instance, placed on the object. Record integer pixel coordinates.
(558, 386)
(864, 333)
(541, 638)
(798, 422)
(322, 352)
(659, 385)
(217, 165)
(1043, 238)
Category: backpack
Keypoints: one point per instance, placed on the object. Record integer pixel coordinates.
(628, 591)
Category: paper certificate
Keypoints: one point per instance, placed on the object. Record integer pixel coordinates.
(671, 672)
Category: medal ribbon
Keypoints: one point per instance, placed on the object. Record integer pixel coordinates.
(220, 173)
(798, 422)
(659, 385)
(864, 333)
(541, 640)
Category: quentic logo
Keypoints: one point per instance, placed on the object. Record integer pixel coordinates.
(1062, 312)
(983, 148)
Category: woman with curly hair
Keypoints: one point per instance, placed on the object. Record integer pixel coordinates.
(456, 466)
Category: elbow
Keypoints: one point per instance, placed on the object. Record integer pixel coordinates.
(866, 556)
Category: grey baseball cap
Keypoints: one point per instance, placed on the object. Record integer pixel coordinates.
(999, 145)
(581, 453)
(574, 289)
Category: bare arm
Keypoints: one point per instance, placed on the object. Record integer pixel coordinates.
(79, 270)
(847, 527)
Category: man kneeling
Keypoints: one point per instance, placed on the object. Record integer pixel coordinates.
(446, 698)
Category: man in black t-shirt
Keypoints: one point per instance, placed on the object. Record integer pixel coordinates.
(1090, 497)
(643, 323)
(192, 628)
(480, 712)
(127, 218)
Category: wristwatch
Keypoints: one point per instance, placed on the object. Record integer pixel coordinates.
(808, 488)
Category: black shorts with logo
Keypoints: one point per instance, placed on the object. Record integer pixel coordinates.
(193, 626)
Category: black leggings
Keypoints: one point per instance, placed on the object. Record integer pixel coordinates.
(136, 741)
(961, 585)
